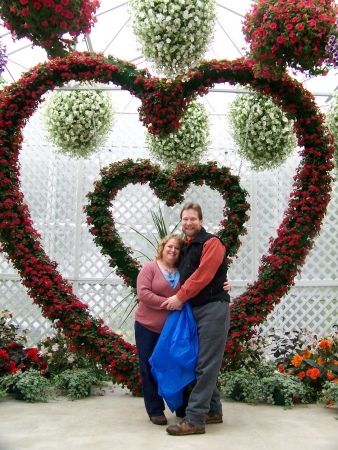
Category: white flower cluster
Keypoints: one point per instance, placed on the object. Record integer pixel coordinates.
(173, 34)
(188, 144)
(332, 123)
(78, 121)
(261, 131)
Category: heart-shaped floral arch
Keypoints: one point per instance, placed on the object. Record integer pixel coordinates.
(163, 103)
(169, 187)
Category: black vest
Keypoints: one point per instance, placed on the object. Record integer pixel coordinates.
(189, 262)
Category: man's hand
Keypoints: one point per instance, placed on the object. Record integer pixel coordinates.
(172, 303)
(226, 286)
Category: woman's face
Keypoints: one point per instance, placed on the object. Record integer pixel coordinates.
(171, 251)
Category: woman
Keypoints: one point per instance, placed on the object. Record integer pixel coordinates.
(157, 281)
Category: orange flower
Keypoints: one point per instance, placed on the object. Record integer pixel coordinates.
(281, 368)
(335, 380)
(301, 375)
(297, 361)
(330, 403)
(326, 344)
(321, 361)
(329, 375)
(306, 354)
(313, 373)
(334, 362)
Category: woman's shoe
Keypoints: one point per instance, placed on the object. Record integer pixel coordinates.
(159, 420)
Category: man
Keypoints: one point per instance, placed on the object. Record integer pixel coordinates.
(203, 270)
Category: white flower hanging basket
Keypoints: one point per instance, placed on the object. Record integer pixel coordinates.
(262, 132)
(78, 121)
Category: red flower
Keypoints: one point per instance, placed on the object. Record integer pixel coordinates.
(33, 354)
(4, 354)
(313, 373)
(12, 367)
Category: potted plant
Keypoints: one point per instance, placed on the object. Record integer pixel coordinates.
(280, 389)
(78, 382)
(242, 385)
(330, 391)
(310, 359)
(15, 356)
(29, 385)
(245, 383)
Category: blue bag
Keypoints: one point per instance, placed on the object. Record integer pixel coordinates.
(174, 358)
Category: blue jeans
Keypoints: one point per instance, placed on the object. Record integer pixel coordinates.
(146, 341)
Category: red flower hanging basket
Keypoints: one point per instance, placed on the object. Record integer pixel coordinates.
(290, 33)
(45, 22)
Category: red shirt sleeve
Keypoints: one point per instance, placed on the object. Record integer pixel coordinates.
(212, 257)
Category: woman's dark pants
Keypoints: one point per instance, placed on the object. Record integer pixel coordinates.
(146, 341)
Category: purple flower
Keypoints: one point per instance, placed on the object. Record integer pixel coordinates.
(3, 57)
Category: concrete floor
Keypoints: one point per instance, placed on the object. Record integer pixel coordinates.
(117, 421)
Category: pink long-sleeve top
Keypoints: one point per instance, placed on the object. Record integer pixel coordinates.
(152, 290)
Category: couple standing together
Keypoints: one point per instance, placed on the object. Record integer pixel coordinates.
(190, 269)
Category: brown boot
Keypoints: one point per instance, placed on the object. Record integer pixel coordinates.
(159, 420)
(184, 428)
(213, 418)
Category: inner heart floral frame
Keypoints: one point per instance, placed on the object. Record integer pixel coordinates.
(163, 104)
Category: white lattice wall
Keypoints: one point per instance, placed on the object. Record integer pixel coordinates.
(55, 189)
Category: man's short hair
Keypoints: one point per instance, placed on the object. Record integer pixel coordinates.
(195, 206)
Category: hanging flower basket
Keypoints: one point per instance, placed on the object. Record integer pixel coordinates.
(261, 131)
(44, 22)
(78, 121)
(332, 123)
(289, 33)
(331, 49)
(173, 35)
(3, 58)
(188, 144)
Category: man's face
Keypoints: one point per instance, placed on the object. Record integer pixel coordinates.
(191, 224)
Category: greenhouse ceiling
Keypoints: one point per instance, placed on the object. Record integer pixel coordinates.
(112, 34)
